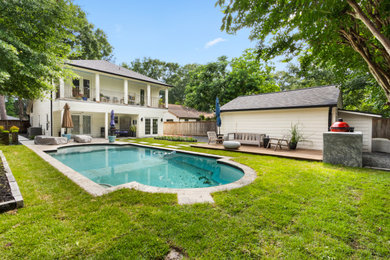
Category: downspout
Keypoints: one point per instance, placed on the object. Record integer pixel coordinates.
(51, 114)
(330, 117)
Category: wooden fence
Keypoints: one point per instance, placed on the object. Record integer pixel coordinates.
(198, 128)
(23, 125)
(381, 128)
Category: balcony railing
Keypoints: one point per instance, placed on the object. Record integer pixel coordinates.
(117, 98)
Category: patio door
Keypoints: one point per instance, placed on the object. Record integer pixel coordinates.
(81, 124)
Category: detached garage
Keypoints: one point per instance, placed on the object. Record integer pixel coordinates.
(314, 109)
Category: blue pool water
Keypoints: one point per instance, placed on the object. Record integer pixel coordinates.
(113, 165)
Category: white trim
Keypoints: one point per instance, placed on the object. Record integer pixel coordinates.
(358, 113)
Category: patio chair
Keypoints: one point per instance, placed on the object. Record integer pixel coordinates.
(213, 138)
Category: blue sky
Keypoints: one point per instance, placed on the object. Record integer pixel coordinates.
(183, 31)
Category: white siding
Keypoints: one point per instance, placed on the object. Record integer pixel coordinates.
(171, 116)
(361, 124)
(277, 123)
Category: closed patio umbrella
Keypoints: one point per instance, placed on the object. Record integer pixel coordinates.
(218, 113)
(67, 119)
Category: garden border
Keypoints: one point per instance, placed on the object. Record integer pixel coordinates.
(17, 202)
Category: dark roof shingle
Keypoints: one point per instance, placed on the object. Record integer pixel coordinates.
(108, 67)
(308, 97)
(186, 112)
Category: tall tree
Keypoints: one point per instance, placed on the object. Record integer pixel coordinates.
(248, 75)
(346, 34)
(89, 43)
(206, 82)
(34, 36)
(168, 72)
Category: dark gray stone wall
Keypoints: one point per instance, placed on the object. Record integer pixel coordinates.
(343, 148)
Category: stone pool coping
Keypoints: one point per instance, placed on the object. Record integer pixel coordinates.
(17, 202)
(184, 196)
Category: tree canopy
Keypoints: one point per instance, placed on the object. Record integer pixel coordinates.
(33, 44)
(346, 35)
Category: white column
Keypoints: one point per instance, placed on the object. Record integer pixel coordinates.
(62, 117)
(62, 88)
(106, 125)
(148, 98)
(125, 91)
(97, 87)
(166, 98)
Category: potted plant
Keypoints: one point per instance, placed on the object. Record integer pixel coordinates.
(296, 136)
(84, 98)
(133, 131)
(5, 137)
(14, 134)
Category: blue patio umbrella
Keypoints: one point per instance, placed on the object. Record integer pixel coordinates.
(112, 124)
(218, 113)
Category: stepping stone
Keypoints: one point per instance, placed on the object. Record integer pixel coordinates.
(184, 145)
(143, 142)
(156, 144)
(131, 141)
(172, 146)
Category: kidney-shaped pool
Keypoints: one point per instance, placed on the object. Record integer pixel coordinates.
(110, 165)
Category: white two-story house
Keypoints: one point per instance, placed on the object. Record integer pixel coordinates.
(137, 100)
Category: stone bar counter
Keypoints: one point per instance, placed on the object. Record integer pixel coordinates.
(344, 148)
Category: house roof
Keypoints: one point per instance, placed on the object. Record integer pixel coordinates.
(111, 68)
(309, 97)
(186, 112)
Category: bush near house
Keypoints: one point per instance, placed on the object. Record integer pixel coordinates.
(176, 138)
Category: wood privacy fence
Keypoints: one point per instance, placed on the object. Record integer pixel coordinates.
(198, 128)
(23, 125)
(381, 128)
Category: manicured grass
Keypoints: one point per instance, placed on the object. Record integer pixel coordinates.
(294, 210)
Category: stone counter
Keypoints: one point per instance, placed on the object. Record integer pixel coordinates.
(344, 148)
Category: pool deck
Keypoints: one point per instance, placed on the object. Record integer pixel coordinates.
(184, 196)
(300, 154)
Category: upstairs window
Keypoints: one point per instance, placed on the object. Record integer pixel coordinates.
(86, 88)
(76, 88)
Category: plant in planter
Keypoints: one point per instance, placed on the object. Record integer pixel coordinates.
(14, 133)
(296, 136)
(5, 137)
(133, 131)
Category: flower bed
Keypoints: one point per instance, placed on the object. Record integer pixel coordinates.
(176, 138)
(10, 196)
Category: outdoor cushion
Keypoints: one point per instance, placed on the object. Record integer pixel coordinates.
(82, 138)
(49, 140)
(231, 144)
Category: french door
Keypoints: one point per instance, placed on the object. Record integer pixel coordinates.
(151, 126)
(81, 124)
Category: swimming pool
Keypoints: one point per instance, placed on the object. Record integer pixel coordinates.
(111, 165)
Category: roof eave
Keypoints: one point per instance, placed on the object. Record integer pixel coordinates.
(277, 108)
(102, 71)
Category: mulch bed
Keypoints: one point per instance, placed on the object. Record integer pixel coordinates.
(5, 190)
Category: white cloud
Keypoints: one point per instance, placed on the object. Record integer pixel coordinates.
(213, 42)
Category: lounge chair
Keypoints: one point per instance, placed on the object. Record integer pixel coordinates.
(213, 138)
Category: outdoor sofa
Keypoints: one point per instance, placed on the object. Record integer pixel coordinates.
(246, 138)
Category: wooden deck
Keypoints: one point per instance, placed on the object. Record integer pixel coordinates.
(301, 154)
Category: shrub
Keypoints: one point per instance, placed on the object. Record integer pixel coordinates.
(176, 138)
(14, 129)
(1, 128)
(5, 132)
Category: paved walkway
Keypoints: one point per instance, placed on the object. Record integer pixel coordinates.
(302, 154)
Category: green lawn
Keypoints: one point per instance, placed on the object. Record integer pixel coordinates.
(294, 209)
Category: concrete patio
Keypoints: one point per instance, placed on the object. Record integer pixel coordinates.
(301, 154)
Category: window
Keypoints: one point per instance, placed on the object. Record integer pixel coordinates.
(169, 120)
(86, 124)
(76, 124)
(155, 126)
(147, 126)
(142, 97)
(76, 88)
(86, 88)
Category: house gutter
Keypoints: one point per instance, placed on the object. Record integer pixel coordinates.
(276, 108)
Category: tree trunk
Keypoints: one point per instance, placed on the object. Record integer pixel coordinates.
(3, 111)
(21, 108)
(359, 14)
